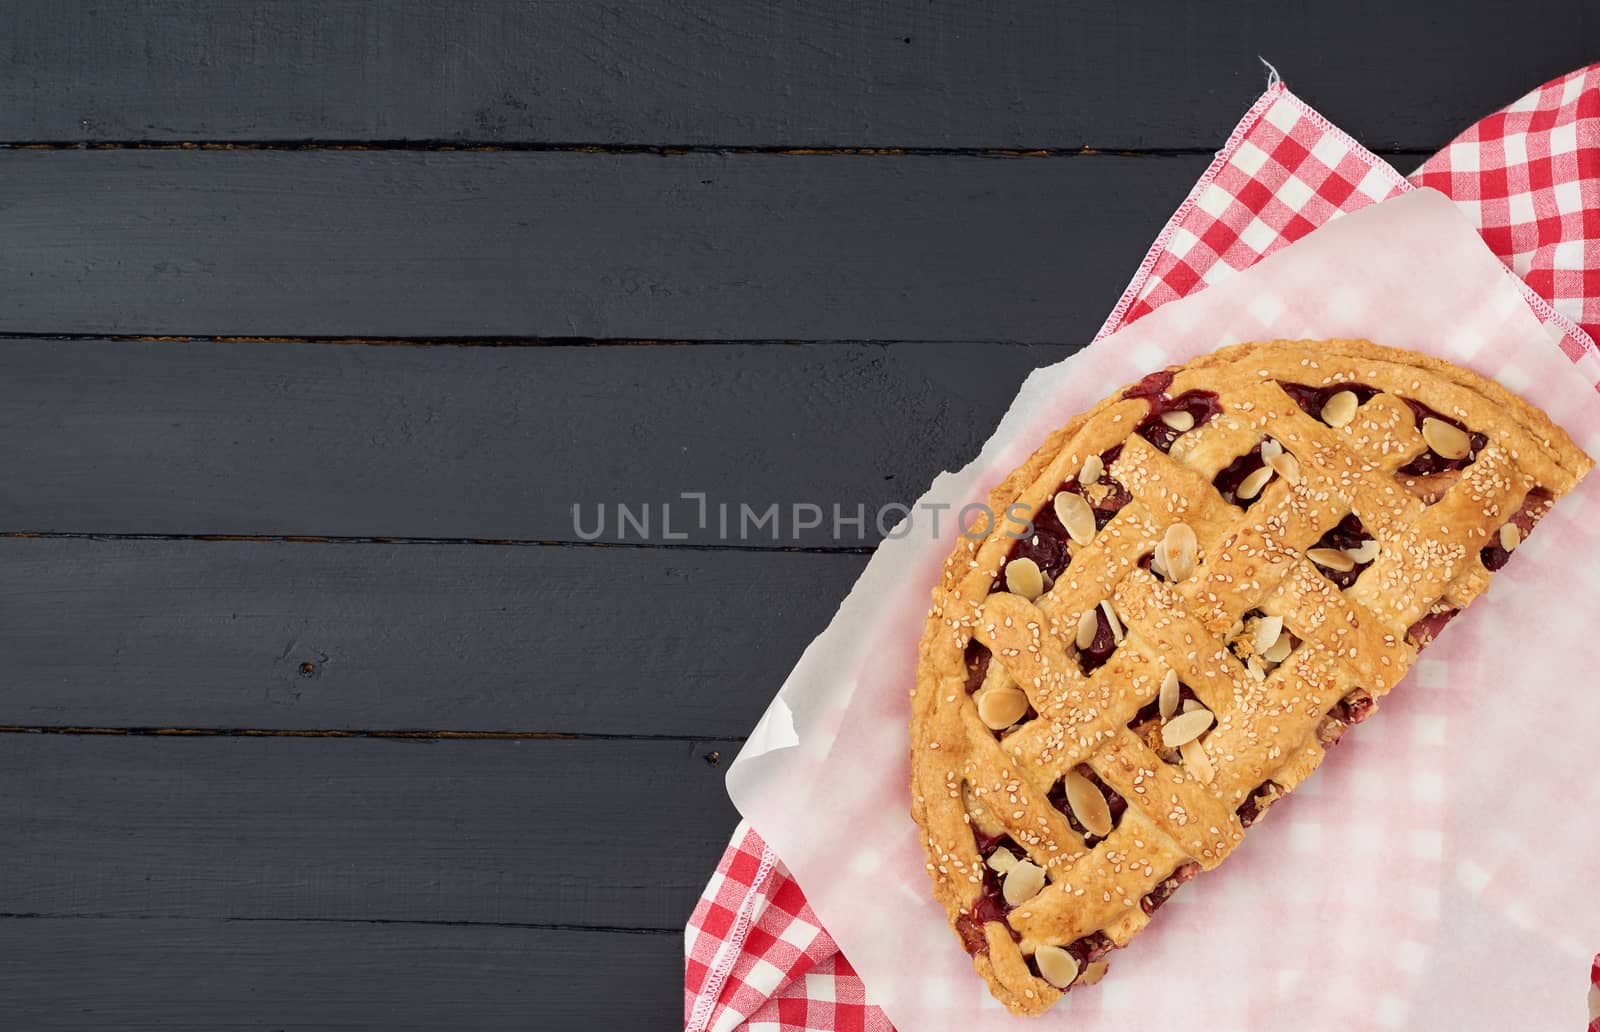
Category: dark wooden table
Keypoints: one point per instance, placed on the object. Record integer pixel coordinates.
(319, 317)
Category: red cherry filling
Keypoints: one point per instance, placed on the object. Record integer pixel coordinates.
(1533, 509)
(987, 844)
(1090, 948)
(1105, 643)
(1267, 793)
(977, 660)
(1422, 633)
(1234, 473)
(1085, 951)
(1313, 399)
(1355, 707)
(1046, 542)
(1114, 802)
(1430, 461)
(991, 904)
(1154, 385)
(970, 928)
(1047, 546)
(1105, 496)
(1349, 711)
(977, 657)
(1200, 406)
(1163, 892)
(1348, 533)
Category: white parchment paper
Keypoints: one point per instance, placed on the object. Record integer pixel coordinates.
(1438, 872)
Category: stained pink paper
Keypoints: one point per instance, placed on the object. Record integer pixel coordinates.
(1436, 873)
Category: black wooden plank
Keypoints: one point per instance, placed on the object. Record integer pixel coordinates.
(128, 975)
(207, 437)
(701, 246)
(225, 635)
(728, 73)
(601, 833)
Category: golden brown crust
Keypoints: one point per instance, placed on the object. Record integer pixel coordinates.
(1350, 646)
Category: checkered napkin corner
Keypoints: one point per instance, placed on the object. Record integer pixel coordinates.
(1528, 176)
(1283, 172)
(758, 958)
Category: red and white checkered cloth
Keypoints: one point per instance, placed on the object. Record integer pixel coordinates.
(1528, 176)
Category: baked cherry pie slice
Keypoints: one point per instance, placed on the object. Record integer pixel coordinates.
(1227, 566)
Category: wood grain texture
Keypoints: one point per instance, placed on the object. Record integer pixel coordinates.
(833, 73)
(616, 834)
(210, 437)
(166, 975)
(698, 246)
(374, 637)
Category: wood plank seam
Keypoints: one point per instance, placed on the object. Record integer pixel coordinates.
(319, 539)
(503, 341)
(398, 734)
(656, 149)
(398, 922)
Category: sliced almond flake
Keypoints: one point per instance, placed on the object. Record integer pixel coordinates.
(1178, 419)
(1279, 650)
(1179, 546)
(1365, 552)
(1195, 758)
(1111, 618)
(1093, 469)
(1088, 805)
(1158, 564)
(1286, 466)
(1510, 536)
(1022, 882)
(1093, 973)
(1251, 485)
(1269, 448)
(1253, 665)
(1023, 577)
(1088, 624)
(1331, 558)
(1002, 860)
(1444, 439)
(1340, 409)
(1190, 705)
(1058, 967)
(1076, 516)
(1167, 702)
(1267, 630)
(1001, 708)
(1186, 727)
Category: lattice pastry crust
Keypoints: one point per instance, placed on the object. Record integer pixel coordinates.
(1228, 564)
